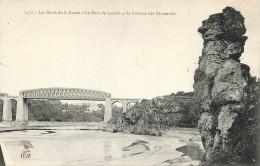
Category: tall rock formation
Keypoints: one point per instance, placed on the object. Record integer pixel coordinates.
(227, 94)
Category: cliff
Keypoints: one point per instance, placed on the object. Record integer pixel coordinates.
(227, 94)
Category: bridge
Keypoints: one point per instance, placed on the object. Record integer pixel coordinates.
(59, 94)
(125, 102)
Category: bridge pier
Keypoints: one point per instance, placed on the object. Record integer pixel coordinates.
(7, 110)
(124, 104)
(22, 110)
(108, 109)
(139, 100)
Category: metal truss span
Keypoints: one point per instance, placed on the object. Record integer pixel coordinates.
(65, 94)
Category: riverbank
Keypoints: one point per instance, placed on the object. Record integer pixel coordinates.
(184, 134)
(16, 126)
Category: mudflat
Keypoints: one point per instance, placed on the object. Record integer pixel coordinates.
(68, 143)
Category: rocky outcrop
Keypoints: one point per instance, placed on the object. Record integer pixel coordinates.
(150, 117)
(227, 94)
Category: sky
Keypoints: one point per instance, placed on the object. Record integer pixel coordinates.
(129, 56)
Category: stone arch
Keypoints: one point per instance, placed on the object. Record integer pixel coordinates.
(128, 104)
(1, 109)
(116, 110)
(116, 101)
(13, 105)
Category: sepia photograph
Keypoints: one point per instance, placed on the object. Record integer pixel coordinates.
(129, 83)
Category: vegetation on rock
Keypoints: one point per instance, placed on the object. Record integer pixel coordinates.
(228, 96)
(150, 117)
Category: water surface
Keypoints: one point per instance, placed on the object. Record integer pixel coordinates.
(87, 147)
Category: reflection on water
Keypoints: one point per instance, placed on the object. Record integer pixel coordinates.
(107, 151)
(192, 150)
(107, 157)
(79, 147)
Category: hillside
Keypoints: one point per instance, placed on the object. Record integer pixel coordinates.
(152, 116)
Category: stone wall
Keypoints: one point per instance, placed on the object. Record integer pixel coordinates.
(227, 94)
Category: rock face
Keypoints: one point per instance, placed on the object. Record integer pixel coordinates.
(227, 94)
(150, 117)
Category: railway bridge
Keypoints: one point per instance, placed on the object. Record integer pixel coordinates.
(59, 94)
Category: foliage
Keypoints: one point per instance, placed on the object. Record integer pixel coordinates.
(13, 107)
(152, 116)
(1, 109)
(54, 110)
(116, 113)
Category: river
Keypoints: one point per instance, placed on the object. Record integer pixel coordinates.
(69, 147)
